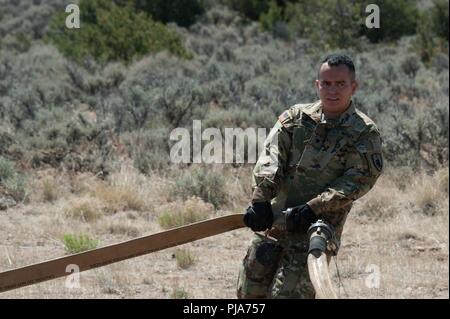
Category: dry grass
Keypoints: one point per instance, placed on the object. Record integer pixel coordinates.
(387, 233)
(123, 228)
(184, 257)
(409, 253)
(113, 280)
(441, 177)
(50, 185)
(87, 209)
(429, 192)
(238, 187)
(116, 199)
(81, 183)
(181, 213)
(379, 203)
(407, 246)
(128, 190)
(49, 190)
(179, 293)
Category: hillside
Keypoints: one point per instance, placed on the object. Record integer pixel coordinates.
(88, 117)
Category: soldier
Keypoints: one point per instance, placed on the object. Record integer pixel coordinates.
(319, 158)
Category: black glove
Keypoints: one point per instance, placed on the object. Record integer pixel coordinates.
(299, 218)
(259, 216)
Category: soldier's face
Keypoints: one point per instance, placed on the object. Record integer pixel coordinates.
(336, 87)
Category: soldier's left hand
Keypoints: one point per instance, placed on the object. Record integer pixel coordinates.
(259, 216)
(299, 218)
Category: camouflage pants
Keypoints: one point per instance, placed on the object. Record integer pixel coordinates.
(275, 270)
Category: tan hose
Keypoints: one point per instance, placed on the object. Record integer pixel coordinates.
(55, 268)
(317, 267)
(320, 277)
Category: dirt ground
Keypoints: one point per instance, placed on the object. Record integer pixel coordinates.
(397, 252)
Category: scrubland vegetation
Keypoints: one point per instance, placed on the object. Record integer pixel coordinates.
(86, 116)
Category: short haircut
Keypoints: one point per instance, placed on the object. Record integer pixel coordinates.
(336, 59)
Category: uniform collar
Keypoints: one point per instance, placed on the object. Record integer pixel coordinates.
(315, 113)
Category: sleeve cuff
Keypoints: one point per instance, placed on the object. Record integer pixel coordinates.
(261, 195)
(316, 204)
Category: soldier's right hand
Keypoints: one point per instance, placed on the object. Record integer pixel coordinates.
(299, 218)
(259, 216)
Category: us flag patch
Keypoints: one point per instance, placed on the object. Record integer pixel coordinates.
(284, 117)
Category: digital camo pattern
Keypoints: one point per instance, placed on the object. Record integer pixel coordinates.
(308, 159)
(275, 270)
(327, 164)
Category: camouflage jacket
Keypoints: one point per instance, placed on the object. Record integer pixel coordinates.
(325, 163)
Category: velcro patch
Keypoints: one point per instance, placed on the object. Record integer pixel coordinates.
(284, 117)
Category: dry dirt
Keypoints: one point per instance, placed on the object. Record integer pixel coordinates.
(395, 245)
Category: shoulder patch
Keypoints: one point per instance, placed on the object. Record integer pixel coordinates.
(288, 117)
(377, 161)
(284, 117)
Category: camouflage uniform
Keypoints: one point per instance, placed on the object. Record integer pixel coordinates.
(326, 163)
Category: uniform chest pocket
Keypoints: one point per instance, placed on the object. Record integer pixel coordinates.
(300, 137)
(317, 158)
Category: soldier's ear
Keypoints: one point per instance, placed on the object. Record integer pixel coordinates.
(355, 85)
(316, 84)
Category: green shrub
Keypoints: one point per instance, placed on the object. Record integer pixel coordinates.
(31, 83)
(177, 214)
(202, 183)
(16, 187)
(58, 137)
(240, 77)
(397, 18)
(79, 243)
(331, 23)
(432, 32)
(28, 17)
(273, 15)
(326, 23)
(184, 258)
(440, 18)
(179, 293)
(110, 32)
(19, 42)
(7, 169)
(182, 12)
(148, 148)
(411, 66)
(252, 9)
(273, 20)
(170, 220)
(13, 181)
